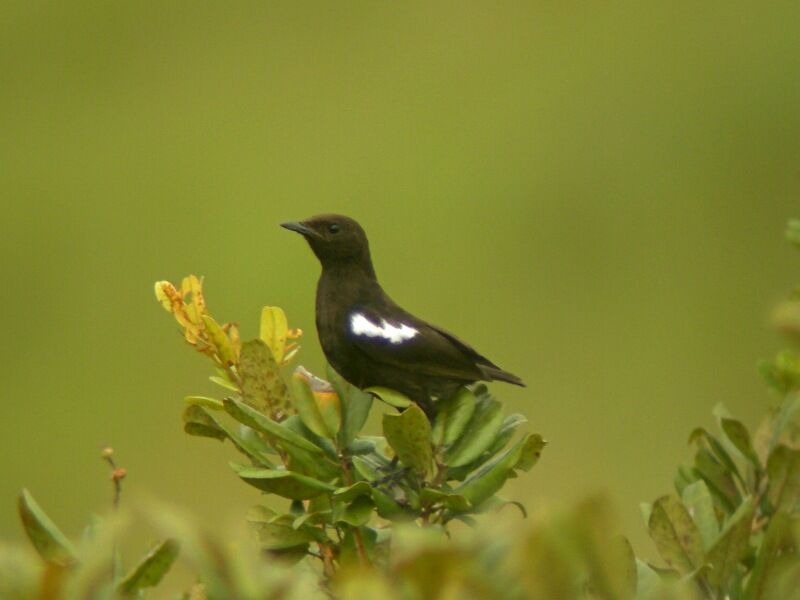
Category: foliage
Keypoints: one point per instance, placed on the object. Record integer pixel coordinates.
(373, 517)
(304, 442)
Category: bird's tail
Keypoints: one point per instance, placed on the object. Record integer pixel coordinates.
(497, 374)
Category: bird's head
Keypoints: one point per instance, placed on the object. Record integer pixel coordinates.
(335, 239)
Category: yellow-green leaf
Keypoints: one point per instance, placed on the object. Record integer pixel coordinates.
(478, 434)
(777, 542)
(487, 480)
(274, 329)
(262, 385)
(165, 294)
(283, 483)
(219, 339)
(783, 468)
(698, 501)
(151, 569)
(676, 536)
(409, 434)
(205, 402)
(390, 397)
(730, 547)
(306, 405)
(452, 416)
(52, 545)
(191, 285)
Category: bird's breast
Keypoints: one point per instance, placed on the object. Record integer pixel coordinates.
(333, 315)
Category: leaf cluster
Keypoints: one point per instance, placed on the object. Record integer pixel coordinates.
(304, 442)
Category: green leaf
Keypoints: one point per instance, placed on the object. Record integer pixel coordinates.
(262, 385)
(497, 503)
(349, 555)
(52, 545)
(507, 429)
(697, 500)
(276, 531)
(783, 469)
(326, 399)
(452, 416)
(685, 476)
(307, 406)
(501, 440)
(530, 452)
(649, 585)
(676, 536)
(356, 513)
(776, 542)
(355, 408)
(205, 402)
(248, 444)
(367, 468)
(219, 339)
(287, 484)
(730, 547)
(491, 477)
(295, 423)
(313, 517)
(718, 478)
(350, 493)
(737, 433)
(252, 418)
(202, 423)
(196, 421)
(390, 397)
(454, 502)
(151, 569)
(274, 329)
(479, 434)
(717, 450)
(224, 383)
(409, 435)
(388, 508)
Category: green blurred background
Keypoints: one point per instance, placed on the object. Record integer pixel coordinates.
(592, 194)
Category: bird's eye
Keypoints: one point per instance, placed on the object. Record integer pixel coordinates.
(334, 228)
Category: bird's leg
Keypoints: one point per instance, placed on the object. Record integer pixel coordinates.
(393, 474)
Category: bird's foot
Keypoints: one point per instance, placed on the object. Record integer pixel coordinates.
(393, 473)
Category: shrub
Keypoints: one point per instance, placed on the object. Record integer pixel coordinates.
(369, 516)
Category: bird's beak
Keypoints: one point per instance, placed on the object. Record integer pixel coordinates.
(300, 228)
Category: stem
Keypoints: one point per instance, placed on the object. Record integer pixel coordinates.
(327, 560)
(117, 475)
(362, 551)
(438, 479)
(347, 477)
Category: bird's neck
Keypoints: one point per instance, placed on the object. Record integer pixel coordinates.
(345, 284)
(352, 271)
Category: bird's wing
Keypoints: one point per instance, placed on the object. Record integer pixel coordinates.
(412, 344)
(489, 370)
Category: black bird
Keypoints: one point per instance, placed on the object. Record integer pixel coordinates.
(367, 338)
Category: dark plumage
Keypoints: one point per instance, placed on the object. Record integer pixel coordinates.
(367, 338)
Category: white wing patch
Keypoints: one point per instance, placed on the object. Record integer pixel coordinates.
(361, 325)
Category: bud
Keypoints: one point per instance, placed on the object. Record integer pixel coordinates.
(167, 295)
(118, 474)
(107, 453)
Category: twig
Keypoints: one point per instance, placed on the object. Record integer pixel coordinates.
(347, 476)
(117, 475)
